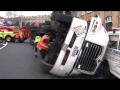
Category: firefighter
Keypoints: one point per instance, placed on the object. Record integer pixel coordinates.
(37, 39)
(1, 36)
(44, 44)
(17, 36)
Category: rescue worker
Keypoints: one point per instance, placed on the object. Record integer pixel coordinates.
(37, 39)
(17, 36)
(1, 37)
(44, 44)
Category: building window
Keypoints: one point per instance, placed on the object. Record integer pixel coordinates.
(109, 24)
(108, 21)
(83, 12)
(88, 11)
(78, 14)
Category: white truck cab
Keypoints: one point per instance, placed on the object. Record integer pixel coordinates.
(112, 57)
(81, 50)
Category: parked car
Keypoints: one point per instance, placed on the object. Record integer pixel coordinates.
(112, 57)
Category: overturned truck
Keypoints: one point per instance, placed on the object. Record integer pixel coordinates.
(76, 49)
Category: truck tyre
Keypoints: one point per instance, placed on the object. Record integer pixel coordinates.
(63, 18)
(8, 38)
(106, 70)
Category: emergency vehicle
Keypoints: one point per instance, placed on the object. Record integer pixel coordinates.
(76, 49)
(9, 33)
(111, 65)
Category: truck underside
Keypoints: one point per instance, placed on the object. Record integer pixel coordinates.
(75, 53)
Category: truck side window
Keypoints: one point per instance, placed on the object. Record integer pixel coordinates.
(119, 45)
(113, 44)
(113, 41)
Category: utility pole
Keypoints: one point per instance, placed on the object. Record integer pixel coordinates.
(63, 12)
(21, 19)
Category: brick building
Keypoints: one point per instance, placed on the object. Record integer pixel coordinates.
(109, 18)
(39, 18)
(2, 20)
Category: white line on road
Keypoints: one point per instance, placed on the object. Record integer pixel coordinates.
(4, 45)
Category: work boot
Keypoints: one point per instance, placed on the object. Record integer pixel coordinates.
(35, 55)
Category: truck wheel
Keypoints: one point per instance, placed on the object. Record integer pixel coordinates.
(106, 70)
(8, 38)
(63, 18)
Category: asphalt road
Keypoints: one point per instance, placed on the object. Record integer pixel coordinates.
(17, 61)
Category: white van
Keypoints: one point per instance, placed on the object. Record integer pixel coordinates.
(112, 57)
(76, 49)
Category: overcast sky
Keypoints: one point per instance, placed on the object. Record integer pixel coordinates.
(27, 13)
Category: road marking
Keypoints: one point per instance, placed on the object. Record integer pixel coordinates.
(4, 45)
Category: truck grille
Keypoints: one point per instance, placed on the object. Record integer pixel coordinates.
(90, 52)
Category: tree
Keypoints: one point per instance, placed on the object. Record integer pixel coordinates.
(9, 14)
(53, 15)
(66, 12)
(14, 14)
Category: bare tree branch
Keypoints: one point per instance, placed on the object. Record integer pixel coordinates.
(9, 14)
(14, 14)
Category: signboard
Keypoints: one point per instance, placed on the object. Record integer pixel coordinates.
(78, 30)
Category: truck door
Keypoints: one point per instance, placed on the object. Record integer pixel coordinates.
(113, 54)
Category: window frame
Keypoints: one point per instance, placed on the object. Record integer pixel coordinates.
(118, 44)
(108, 19)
